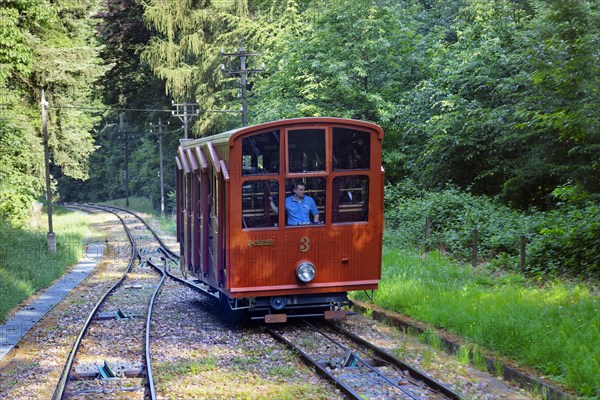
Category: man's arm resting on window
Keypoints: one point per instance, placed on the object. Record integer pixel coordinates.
(273, 206)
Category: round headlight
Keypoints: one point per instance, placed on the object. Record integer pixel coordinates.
(305, 271)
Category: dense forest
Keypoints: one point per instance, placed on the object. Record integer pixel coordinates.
(495, 99)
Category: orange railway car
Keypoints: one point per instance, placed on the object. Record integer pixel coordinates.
(235, 200)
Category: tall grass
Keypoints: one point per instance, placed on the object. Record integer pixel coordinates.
(26, 266)
(555, 328)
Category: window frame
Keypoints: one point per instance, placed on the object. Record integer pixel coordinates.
(264, 179)
(266, 173)
(327, 137)
(341, 170)
(355, 174)
(328, 174)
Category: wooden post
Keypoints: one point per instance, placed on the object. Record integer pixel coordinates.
(125, 132)
(522, 258)
(160, 135)
(475, 247)
(51, 237)
(427, 232)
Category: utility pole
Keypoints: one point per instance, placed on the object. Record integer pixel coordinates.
(124, 131)
(51, 237)
(185, 112)
(160, 134)
(243, 73)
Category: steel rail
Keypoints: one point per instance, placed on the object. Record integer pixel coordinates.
(149, 374)
(322, 371)
(432, 383)
(164, 247)
(166, 251)
(363, 362)
(62, 383)
(170, 255)
(415, 373)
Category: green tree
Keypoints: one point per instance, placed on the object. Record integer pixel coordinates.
(45, 45)
(127, 83)
(495, 114)
(341, 58)
(563, 103)
(187, 51)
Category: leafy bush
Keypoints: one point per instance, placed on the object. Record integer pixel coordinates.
(564, 240)
(568, 240)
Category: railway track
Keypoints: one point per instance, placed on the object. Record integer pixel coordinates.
(383, 374)
(121, 313)
(113, 344)
(358, 368)
(170, 258)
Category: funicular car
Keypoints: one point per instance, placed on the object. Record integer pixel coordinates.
(233, 229)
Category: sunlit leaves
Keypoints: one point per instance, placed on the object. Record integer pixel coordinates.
(44, 45)
(504, 101)
(344, 59)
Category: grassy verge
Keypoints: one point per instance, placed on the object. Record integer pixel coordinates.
(25, 264)
(555, 328)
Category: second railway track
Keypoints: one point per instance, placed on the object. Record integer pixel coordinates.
(113, 344)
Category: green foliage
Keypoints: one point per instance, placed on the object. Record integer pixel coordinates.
(45, 45)
(454, 214)
(66, 65)
(126, 82)
(561, 241)
(186, 52)
(503, 108)
(129, 81)
(20, 20)
(21, 155)
(341, 58)
(497, 98)
(568, 240)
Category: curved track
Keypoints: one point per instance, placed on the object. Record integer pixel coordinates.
(169, 256)
(138, 253)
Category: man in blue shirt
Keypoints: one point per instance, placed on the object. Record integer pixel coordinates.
(298, 207)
